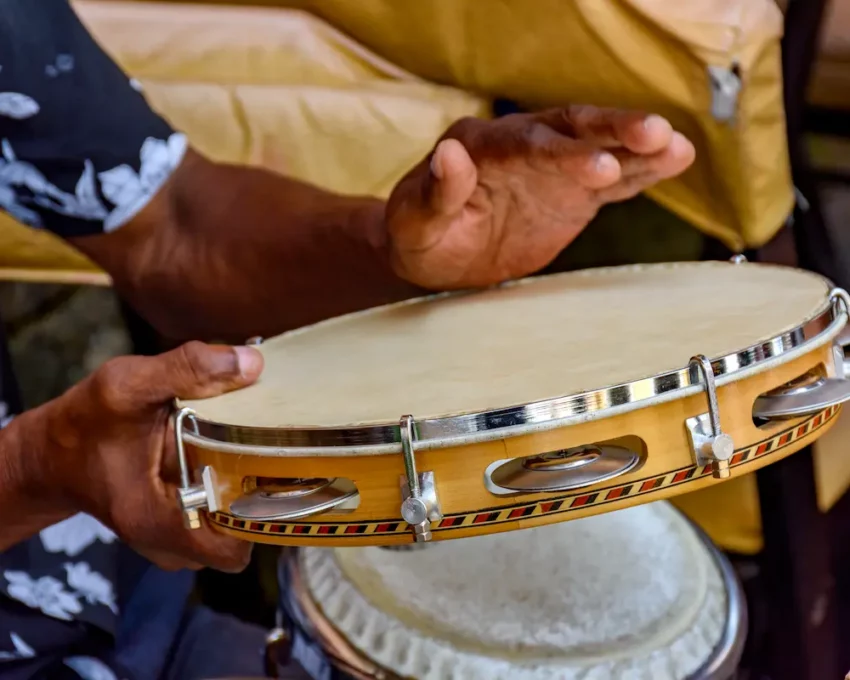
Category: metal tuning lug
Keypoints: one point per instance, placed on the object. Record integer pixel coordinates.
(420, 505)
(193, 497)
(710, 445)
(841, 297)
(738, 259)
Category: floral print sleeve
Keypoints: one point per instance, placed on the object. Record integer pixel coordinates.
(81, 152)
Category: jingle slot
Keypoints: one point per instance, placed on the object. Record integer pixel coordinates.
(565, 469)
(806, 395)
(281, 498)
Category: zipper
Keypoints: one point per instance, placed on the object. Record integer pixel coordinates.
(725, 80)
(725, 84)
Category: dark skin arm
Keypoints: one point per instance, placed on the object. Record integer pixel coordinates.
(227, 252)
(27, 505)
(267, 254)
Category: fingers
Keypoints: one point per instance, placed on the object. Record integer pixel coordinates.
(228, 555)
(192, 371)
(224, 553)
(453, 177)
(162, 536)
(196, 370)
(611, 128)
(641, 172)
(550, 151)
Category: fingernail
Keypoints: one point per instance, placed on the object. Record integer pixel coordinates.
(436, 168)
(250, 361)
(679, 138)
(605, 163)
(680, 144)
(655, 122)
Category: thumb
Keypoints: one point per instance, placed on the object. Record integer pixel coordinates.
(453, 177)
(197, 371)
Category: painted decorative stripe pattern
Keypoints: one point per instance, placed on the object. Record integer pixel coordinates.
(550, 506)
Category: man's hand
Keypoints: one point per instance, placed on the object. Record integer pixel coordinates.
(110, 449)
(226, 252)
(500, 199)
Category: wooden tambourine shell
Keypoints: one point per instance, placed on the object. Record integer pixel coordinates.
(649, 436)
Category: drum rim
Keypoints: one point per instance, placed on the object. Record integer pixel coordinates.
(511, 421)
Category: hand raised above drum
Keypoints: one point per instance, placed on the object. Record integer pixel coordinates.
(500, 199)
(226, 252)
(106, 448)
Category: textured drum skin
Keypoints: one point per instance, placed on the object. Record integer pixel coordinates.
(538, 339)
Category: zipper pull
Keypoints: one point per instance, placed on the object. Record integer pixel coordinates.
(725, 86)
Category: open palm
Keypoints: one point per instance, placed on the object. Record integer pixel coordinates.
(498, 200)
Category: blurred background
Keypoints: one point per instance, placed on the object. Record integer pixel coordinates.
(349, 95)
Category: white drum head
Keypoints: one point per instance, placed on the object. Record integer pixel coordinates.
(534, 340)
(633, 593)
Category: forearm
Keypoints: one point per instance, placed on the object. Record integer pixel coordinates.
(186, 263)
(30, 499)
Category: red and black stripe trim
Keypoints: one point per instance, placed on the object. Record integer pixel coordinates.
(497, 515)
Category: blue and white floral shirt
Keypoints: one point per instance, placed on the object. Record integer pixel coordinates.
(80, 149)
(81, 153)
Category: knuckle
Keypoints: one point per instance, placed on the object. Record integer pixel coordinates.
(221, 552)
(465, 129)
(240, 557)
(534, 135)
(582, 114)
(202, 363)
(109, 384)
(191, 356)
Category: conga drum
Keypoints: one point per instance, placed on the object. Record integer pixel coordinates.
(530, 403)
(638, 594)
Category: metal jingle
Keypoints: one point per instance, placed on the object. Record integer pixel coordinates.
(262, 506)
(566, 469)
(289, 487)
(797, 400)
(568, 459)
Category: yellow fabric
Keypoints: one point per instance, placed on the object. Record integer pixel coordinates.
(649, 54)
(277, 88)
(30, 255)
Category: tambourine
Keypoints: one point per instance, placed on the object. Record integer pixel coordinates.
(532, 402)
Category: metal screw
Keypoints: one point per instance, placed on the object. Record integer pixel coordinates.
(414, 511)
(192, 519)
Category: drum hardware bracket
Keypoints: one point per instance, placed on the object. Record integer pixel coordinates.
(710, 445)
(193, 497)
(420, 505)
(842, 365)
(813, 391)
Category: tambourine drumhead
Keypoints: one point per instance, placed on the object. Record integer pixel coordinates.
(634, 593)
(519, 343)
